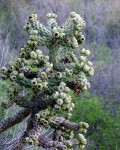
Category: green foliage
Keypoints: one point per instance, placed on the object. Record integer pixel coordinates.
(113, 29)
(104, 132)
(91, 35)
(104, 53)
(9, 28)
(3, 89)
(3, 96)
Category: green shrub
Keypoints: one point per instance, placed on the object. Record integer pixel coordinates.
(104, 132)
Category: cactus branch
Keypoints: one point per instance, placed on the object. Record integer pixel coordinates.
(13, 120)
(64, 123)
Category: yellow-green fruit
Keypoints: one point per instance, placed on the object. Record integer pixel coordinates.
(60, 88)
(56, 34)
(11, 90)
(84, 88)
(45, 84)
(69, 110)
(31, 142)
(17, 64)
(4, 76)
(23, 54)
(34, 82)
(54, 148)
(86, 68)
(44, 114)
(21, 75)
(88, 85)
(34, 32)
(91, 72)
(11, 95)
(82, 130)
(39, 80)
(56, 94)
(37, 116)
(82, 58)
(81, 146)
(43, 75)
(72, 105)
(59, 75)
(36, 143)
(40, 57)
(54, 30)
(35, 62)
(63, 95)
(12, 68)
(67, 90)
(38, 52)
(82, 51)
(47, 57)
(12, 78)
(69, 144)
(27, 139)
(33, 37)
(10, 63)
(70, 72)
(64, 147)
(74, 42)
(4, 70)
(35, 89)
(42, 120)
(72, 14)
(69, 115)
(61, 138)
(82, 139)
(87, 53)
(57, 107)
(89, 63)
(15, 73)
(59, 101)
(51, 15)
(46, 122)
(39, 86)
(22, 50)
(33, 55)
(83, 125)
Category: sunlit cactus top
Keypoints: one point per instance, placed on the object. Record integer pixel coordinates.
(43, 83)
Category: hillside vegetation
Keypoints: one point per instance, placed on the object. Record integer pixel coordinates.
(100, 107)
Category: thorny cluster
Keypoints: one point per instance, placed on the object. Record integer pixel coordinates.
(43, 83)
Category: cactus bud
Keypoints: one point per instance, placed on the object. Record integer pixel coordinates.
(72, 14)
(11, 95)
(82, 58)
(87, 53)
(33, 55)
(12, 78)
(59, 101)
(56, 95)
(89, 63)
(39, 86)
(82, 139)
(33, 82)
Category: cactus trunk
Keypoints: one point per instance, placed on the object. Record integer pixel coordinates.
(53, 54)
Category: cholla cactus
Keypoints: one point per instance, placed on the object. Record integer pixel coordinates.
(42, 84)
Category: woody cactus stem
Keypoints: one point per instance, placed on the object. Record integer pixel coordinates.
(13, 120)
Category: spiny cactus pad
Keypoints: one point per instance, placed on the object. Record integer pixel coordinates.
(42, 84)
